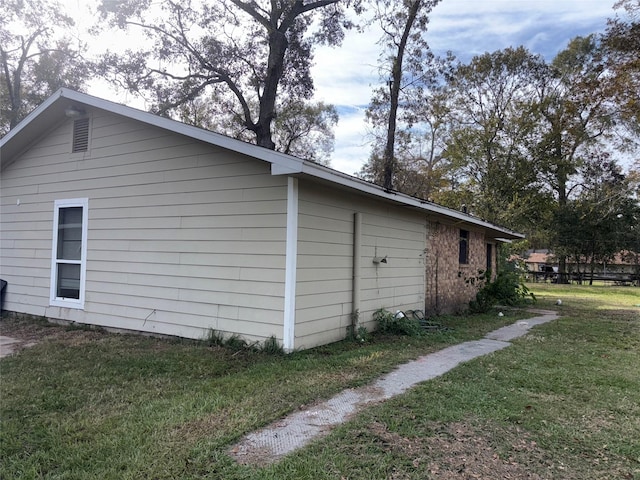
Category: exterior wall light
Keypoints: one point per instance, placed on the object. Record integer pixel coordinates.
(73, 112)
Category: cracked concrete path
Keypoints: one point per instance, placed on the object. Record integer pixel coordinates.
(300, 428)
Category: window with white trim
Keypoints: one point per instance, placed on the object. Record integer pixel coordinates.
(69, 253)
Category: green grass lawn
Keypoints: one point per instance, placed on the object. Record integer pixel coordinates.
(602, 297)
(563, 402)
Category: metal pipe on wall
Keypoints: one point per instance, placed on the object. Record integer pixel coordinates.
(357, 255)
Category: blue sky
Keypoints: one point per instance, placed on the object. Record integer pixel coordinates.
(345, 76)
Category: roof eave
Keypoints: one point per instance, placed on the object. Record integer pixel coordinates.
(319, 171)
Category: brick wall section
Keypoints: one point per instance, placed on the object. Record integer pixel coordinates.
(447, 288)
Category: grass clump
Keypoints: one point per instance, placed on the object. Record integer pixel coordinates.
(236, 343)
(271, 346)
(214, 338)
(359, 334)
(397, 323)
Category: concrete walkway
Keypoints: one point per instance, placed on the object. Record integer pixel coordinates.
(300, 428)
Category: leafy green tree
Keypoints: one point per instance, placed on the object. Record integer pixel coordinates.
(301, 129)
(34, 60)
(251, 56)
(420, 169)
(305, 130)
(630, 216)
(575, 120)
(622, 48)
(404, 23)
(525, 129)
(518, 143)
(493, 128)
(596, 224)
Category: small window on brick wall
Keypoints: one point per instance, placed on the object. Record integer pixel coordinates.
(80, 135)
(464, 247)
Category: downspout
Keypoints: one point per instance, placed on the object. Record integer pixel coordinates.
(357, 255)
(291, 265)
(437, 284)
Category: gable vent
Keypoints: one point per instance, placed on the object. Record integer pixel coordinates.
(80, 135)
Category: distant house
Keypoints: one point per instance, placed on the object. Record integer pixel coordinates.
(623, 262)
(115, 217)
(624, 266)
(538, 260)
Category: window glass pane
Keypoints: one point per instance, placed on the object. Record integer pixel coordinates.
(68, 281)
(70, 233)
(464, 247)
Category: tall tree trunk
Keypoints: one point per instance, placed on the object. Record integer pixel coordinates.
(394, 95)
(275, 66)
(562, 177)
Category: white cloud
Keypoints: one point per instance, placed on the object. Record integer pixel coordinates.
(352, 142)
(345, 76)
(468, 28)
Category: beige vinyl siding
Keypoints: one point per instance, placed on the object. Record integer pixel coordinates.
(324, 293)
(183, 236)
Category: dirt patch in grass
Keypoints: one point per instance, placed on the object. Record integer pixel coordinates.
(471, 450)
(30, 332)
(461, 451)
(214, 426)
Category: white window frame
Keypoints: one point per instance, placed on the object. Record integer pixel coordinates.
(54, 300)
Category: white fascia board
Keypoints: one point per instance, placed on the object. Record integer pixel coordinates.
(286, 167)
(284, 163)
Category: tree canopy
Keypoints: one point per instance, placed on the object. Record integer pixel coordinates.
(35, 59)
(250, 57)
(622, 47)
(530, 144)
